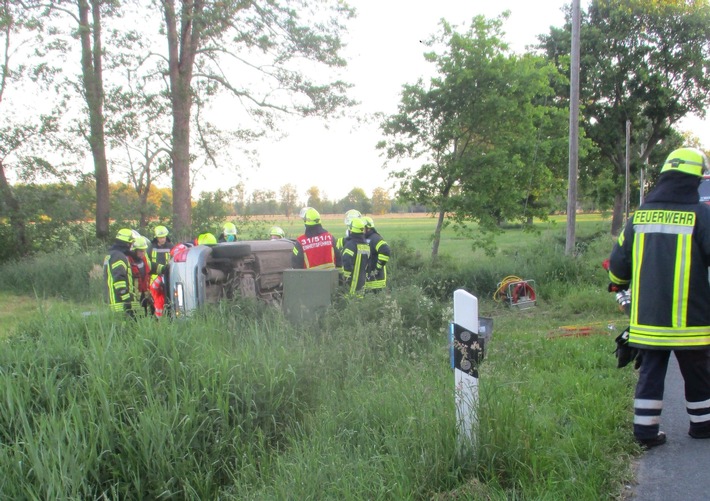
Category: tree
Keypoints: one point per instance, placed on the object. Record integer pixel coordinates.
(313, 198)
(486, 131)
(263, 202)
(136, 124)
(381, 202)
(23, 139)
(272, 48)
(355, 199)
(92, 78)
(289, 199)
(643, 61)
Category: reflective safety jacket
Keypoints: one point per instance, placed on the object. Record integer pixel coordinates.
(315, 250)
(663, 254)
(377, 264)
(118, 279)
(355, 257)
(159, 256)
(339, 247)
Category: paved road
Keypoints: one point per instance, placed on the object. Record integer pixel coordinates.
(679, 470)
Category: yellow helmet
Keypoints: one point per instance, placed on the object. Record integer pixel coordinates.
(350, 215)
(140, 243)
(206, 239)
(276, 231)
(125, 235)
(310, 216)
(369, 222)
(161, 231)
(229, 229)
(357, 226)
(688, 160)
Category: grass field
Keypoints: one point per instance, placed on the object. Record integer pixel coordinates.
(237, 404)
(418, 231)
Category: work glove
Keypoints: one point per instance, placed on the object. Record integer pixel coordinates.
(612, 287)
(625, 354)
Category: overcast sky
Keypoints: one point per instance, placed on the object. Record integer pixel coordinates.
(383, 53)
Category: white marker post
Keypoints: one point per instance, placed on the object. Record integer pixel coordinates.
(466, 353)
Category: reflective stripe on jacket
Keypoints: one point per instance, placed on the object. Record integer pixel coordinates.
(355, 256)
(315, 251)
(377, 264)
(118, 279)
(663, 254)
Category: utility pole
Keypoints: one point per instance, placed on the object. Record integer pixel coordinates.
(628, 169)
(573, 131)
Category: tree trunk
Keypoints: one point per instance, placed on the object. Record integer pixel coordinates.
(92, 75)
(17, 222)
(182, 49)
(437, 235)
(182, 206)
(617, 218)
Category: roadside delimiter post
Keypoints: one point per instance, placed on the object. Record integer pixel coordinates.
(467, 335)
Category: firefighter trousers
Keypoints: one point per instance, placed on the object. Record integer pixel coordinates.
(648, 401)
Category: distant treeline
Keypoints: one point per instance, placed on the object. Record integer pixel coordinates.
(60, 216)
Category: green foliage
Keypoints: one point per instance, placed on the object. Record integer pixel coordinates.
(479, 169)
(644, 62)
(235, 403)
(64, 275)
(210, 211)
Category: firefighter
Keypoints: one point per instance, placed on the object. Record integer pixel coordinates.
(159, 254)
(340, 243)
(206, 239)
(356, 254)
(117, 274)
(379, 257)
(229, 233)
(662, 257)
(141, 269)
(158, 286)
(276, 233)
(315, 249)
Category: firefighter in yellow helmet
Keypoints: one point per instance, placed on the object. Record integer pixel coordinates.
(206, 239)
(276, 233)
(229, 233)
(356, 254)
(118, 277)
(379, 257)
(315, 249)
(159, 253)
(141, 269)
(340, 242)
(662, 257)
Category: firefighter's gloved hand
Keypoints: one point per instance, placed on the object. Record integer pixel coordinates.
(612, 287)
(625, 354)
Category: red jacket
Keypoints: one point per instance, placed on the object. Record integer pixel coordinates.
(315, 250)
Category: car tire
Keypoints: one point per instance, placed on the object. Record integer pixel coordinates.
(230, 250)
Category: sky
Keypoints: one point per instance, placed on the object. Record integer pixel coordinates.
(383, 53)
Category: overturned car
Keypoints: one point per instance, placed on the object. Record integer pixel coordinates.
(208, 273)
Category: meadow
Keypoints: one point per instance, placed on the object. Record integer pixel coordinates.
(236, 403)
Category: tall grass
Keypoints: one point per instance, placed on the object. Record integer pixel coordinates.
(235, 403)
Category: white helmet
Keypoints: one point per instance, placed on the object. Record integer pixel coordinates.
(350, 215)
